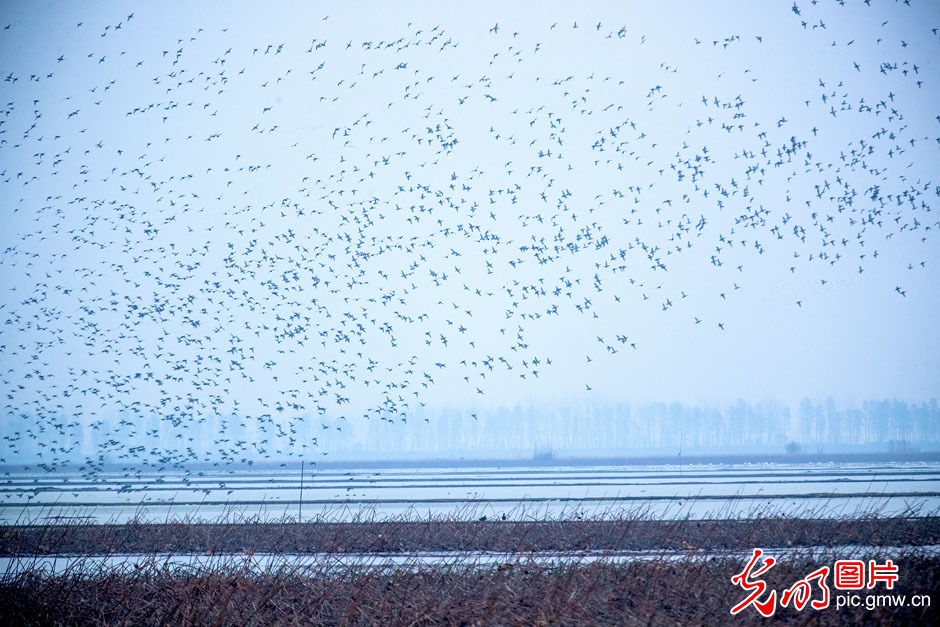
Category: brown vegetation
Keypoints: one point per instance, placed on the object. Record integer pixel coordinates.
(687, 581)
(452, 534)
(687, 592)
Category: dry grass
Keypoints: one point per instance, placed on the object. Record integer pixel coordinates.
(662, 592)
(402, 534)
(694, 589)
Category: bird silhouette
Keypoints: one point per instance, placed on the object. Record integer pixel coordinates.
(220, 243)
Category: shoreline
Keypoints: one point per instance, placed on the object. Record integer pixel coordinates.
(536, 461)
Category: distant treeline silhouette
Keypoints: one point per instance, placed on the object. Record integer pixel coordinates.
(563, 429)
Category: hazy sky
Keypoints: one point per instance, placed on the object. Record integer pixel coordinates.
(344, 209)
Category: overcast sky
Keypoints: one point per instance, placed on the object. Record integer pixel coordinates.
(349, 209)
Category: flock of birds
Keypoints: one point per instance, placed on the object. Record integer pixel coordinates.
(275, 235)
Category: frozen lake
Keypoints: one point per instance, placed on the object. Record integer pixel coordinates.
(517, 492)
